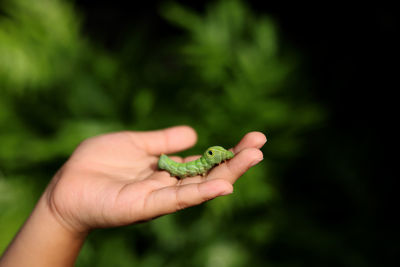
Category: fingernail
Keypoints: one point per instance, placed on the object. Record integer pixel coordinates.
(256, 162)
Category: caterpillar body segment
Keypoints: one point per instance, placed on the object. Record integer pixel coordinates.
(211, 157)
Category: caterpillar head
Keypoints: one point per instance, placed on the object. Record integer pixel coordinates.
(217, 154)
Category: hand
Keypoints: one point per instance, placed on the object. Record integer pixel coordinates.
(112, 180)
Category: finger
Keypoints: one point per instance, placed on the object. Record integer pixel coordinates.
(237, 166)
(192, 180)
(173, 198)
(169, 140)
(252, 139)
(176, 158)
(231, 170)
(191, 158)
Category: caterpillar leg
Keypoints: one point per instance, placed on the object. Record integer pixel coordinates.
(203, 177)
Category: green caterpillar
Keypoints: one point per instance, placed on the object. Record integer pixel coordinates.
(213, 155)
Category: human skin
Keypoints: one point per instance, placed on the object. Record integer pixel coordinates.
(113, 180)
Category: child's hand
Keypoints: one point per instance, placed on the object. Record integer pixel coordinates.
(113, 180)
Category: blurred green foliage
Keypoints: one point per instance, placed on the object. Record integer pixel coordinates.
(225, 74)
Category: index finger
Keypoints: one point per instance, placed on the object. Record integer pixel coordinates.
(166, 141)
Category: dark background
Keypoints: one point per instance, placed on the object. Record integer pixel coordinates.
(337, 203)
(346, 185)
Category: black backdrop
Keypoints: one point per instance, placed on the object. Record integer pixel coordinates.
(350, 51)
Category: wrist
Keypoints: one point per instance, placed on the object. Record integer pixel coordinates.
(49, 206)
(49, 211)
(43, 241)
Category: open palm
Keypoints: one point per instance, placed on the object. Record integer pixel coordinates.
(112, 180)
